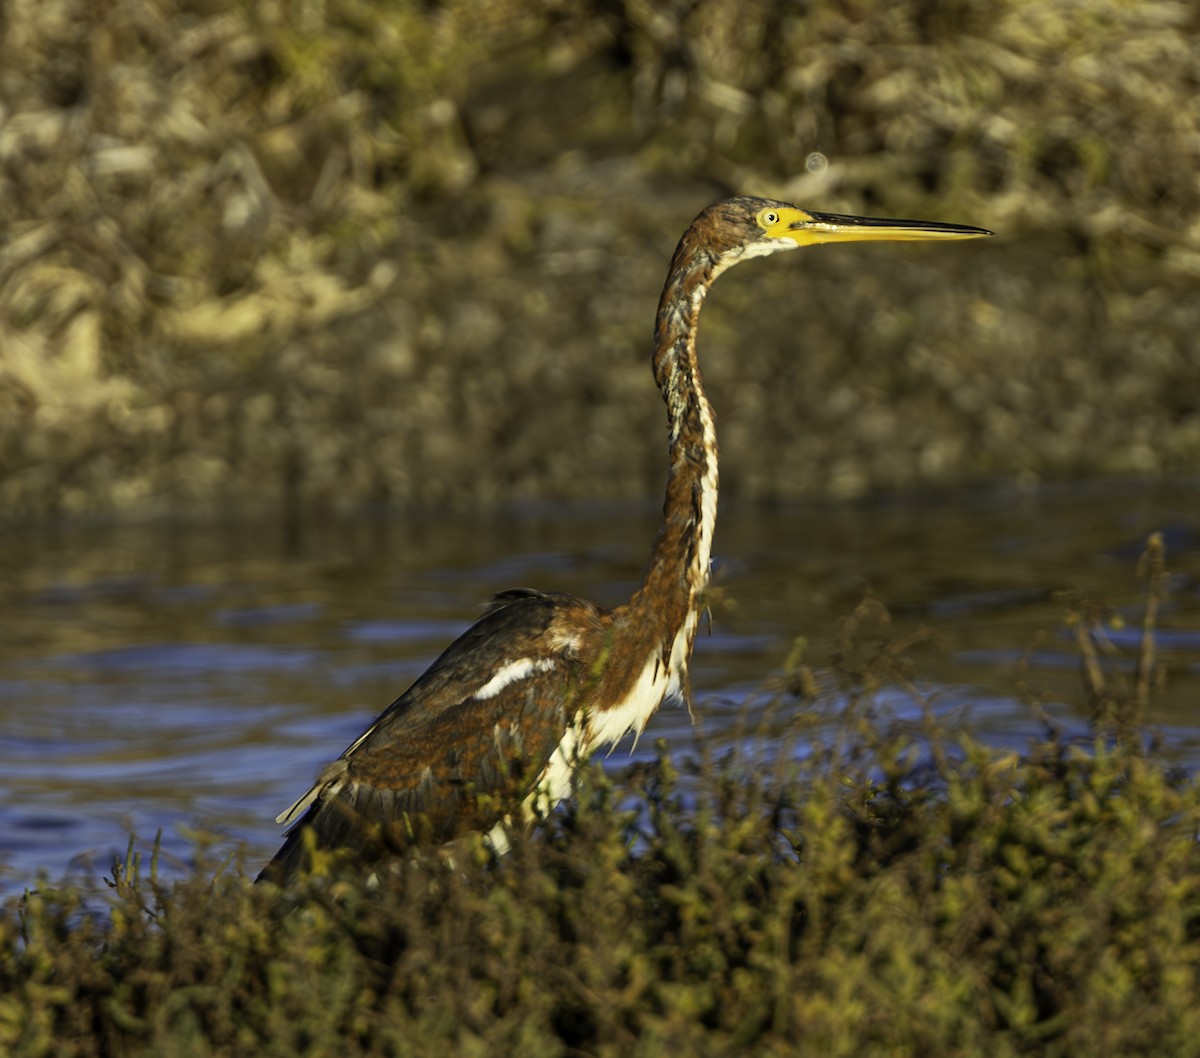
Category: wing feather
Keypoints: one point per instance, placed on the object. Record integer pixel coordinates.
(461, 748)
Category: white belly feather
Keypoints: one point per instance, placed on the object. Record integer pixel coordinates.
(607, 727)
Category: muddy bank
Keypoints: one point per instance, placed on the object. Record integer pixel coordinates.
(269, 253)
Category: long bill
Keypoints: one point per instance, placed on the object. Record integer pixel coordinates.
(809, 229)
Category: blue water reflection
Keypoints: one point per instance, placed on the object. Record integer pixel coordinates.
(185, 678)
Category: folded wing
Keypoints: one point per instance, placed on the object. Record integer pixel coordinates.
(463, 746)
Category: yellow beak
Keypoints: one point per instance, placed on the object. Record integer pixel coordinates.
(809, 229)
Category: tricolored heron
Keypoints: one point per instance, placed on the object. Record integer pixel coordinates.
(496, 725)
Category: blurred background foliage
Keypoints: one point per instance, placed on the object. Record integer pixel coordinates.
(324, 253)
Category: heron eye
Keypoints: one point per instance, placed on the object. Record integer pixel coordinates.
(768, 218)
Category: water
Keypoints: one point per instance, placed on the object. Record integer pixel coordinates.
(197, 677)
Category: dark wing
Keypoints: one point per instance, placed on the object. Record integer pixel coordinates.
(463, 746)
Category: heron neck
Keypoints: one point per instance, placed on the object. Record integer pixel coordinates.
(679, 564)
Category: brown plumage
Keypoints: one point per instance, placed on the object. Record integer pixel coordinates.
(489, 735)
